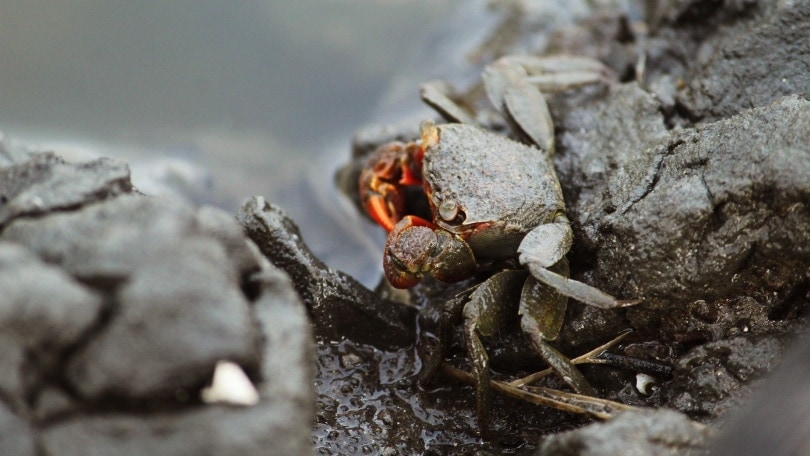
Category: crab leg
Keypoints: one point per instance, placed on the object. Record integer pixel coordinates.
(509, 90)
(544, 246)
(451, 316)
(542, 310)
(484, 314)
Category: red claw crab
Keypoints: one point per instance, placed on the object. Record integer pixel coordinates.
(491, 198)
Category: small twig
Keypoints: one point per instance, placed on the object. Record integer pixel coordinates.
(587, 358)
(549, 397)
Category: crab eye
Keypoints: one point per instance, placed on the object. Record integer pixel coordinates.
(449, 212)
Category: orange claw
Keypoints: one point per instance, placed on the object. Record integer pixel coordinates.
(380, 210)
(382, 182)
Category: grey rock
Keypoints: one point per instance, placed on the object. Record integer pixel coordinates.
(175, 289)
(287, 367)
(11, 154)
(776, 421)
(713, 378)
(339, 306)
(46, 183)
(222, 226)
(637, 433)
(174, 319)
(44, 313)
(16, 436)
(115, 309)
(97, 244)
(278, 425)
(700, 213)
(762, 57)
(264, 429)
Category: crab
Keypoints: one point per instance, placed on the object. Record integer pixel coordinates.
(492, 199)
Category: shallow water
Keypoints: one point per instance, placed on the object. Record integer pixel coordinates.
(219, 102)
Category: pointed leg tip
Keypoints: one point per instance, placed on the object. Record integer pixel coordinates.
(628, 302)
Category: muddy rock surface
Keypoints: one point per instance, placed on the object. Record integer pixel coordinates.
(340, 307)
(685, 180)
(116, 309)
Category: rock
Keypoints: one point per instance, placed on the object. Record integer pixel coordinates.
(16, 436)
(186, 306)
(286, 367)
(11, 154)
(339, 306)
(117, 307)
(775, 421)
(709, 378)
(762, 57)
(691, 217)
(46, 183)
(176, 293)
(44, 313)
(264, 429)
(96, 245)
(279, 424)
(646, 432)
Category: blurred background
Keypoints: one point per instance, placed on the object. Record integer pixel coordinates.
(219, 101)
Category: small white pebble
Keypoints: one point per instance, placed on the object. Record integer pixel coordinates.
(644, 382)
(230, 386)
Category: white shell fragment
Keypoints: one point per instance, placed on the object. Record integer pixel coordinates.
(230, 386)
(645, 383)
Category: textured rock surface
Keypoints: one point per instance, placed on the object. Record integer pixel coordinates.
(340, 307)
(46, 183)
(116, 308)
(648, 433)
(686, 183)
(696, 214)
(44, 313)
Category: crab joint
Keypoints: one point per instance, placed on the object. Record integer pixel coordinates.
(452, 260)
(416, 247)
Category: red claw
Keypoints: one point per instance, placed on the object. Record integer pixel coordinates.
(391, 168)
(414, 245)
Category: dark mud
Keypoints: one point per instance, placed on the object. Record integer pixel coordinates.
(686, 184)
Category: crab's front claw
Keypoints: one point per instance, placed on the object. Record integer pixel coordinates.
(407, 250)
(453, 260)
(416, 247)
(382, 183)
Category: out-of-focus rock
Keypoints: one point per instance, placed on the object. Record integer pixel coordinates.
(46, 183)
(777, 421)
(709, 377)
(646, 432)
(211, 429)
(117, 307)
(16, 436)
(760, 58)
(43, 314)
